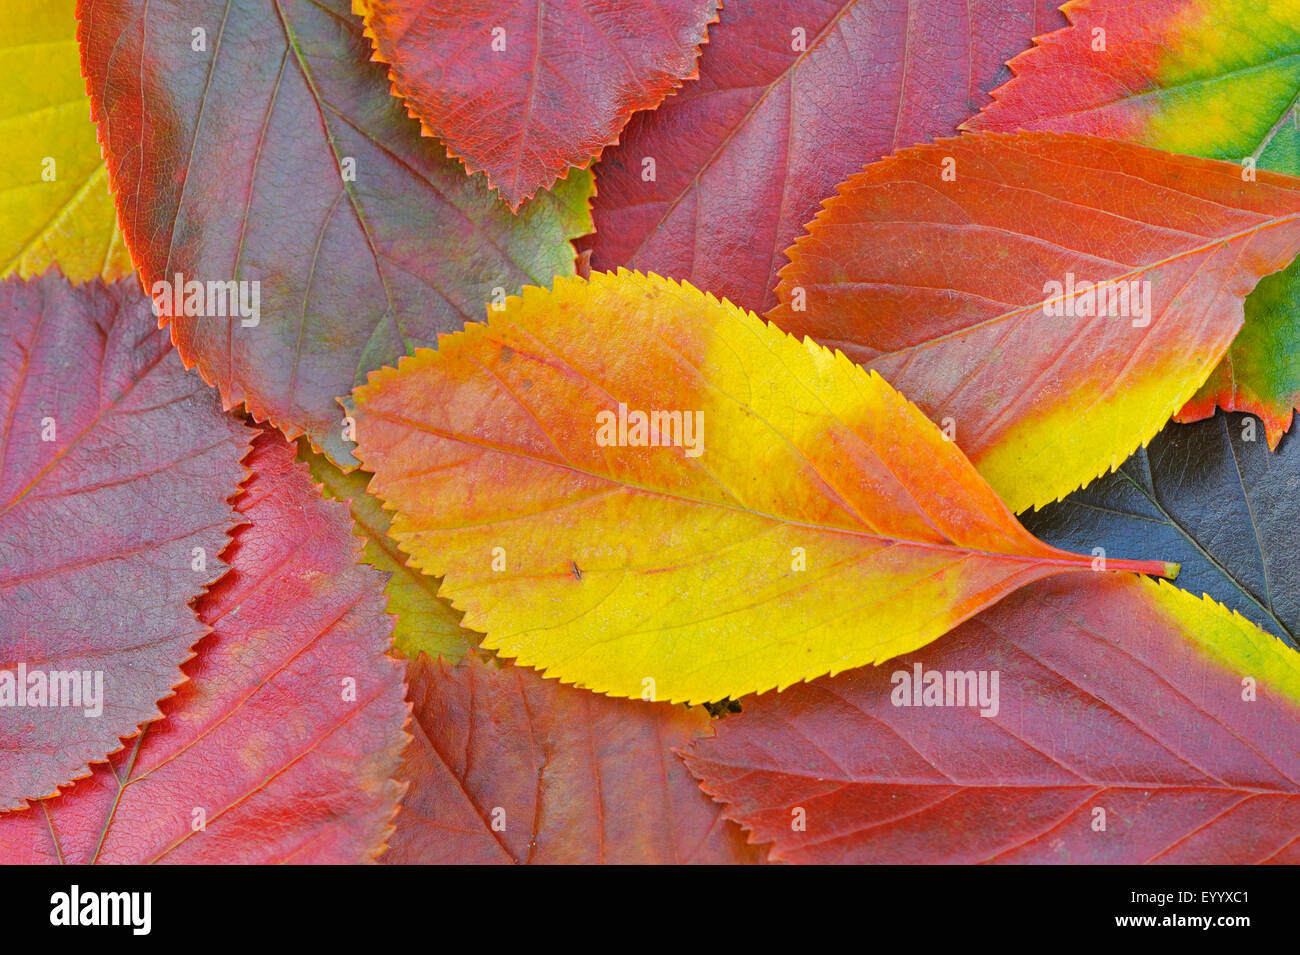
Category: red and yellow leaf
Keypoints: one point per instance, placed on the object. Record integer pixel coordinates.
(1216, 78)
(507, 767)
(799, 518)
(277, 156)
(958, 271)
(116, 470)
(283, 744)
(527, 91)
(1134, 723)
(793, 97)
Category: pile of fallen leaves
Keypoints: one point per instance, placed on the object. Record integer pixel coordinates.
(594, 431)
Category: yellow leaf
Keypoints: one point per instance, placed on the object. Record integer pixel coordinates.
(55, 207)
(788, 515)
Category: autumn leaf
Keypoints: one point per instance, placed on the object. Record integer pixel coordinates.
(1261, 371)
(425, 623)
(1214, 497)
(273, 154)
(1053, 298)
(507, 767)
(1115, 720)
(527, 91)
(283, 744)
(793, 97)
(796, 517)
(55, 207)
(116, 468)
(1212, 78)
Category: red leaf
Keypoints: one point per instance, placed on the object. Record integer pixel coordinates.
(526, 91)
(262, 739)
(572, 777)
(743, 156)
(276, 157)
(116, 468)
(1122, 734)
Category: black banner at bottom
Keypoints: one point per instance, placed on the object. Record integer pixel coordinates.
(337, 905)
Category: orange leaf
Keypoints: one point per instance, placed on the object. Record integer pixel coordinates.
(960, 271)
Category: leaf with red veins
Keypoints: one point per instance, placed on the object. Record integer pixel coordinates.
(116, 472)
(528, 91)
(794, 96)
(508, 767)
(1130, 722)
(283, 745)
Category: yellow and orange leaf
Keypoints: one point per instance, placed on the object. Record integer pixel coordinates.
(797, 517)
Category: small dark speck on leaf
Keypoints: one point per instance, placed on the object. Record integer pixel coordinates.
(723, 707)
(577, 574)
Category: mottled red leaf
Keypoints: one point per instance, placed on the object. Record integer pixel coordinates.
(116, 468)
(277, 155)
(526, 91)
(793, 97)
(268, 745)
(1133, 723)
(509, 767)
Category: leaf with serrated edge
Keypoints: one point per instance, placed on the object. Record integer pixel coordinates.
(507, 767)
(933, 268)
(793, 97)
(268, 744)
(116, 471)
(528, 91)
(815, 522)
(1135, 723)
(1210, 495)
(1214, 78)
(55, 206)
(352, 272)
(425, 622)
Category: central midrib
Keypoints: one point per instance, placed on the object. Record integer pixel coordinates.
(1067, 560)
